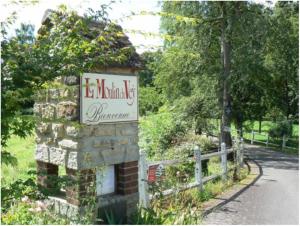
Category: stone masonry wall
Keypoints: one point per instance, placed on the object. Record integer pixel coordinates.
(63, 141)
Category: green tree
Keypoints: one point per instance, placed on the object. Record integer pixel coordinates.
(282, 58)
(217, 46)
(150, 61)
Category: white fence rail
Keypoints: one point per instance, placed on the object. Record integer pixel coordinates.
(145, 197)
(267, 142)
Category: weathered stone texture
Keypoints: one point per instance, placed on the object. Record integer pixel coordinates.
(68, 144)
(43, 128)
(58, 130)
(72, 131)
(57, 156)
(67, 110)
(48, 111)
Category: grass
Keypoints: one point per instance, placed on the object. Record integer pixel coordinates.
(23, 150)
(274, 144)
(262, 138)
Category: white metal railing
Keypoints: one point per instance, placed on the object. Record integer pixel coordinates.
(145, 197)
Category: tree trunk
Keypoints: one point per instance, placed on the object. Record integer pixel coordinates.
(287, 101)
(240, 125)
(226, 105)
(259, 125)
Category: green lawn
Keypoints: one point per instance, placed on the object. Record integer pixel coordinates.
(23, 150)
(265, 126)
(262, 138)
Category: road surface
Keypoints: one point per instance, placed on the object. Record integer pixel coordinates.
(272, 199)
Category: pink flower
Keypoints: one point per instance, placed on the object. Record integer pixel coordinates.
(25, 199)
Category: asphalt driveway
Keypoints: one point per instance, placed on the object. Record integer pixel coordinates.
(272, 199)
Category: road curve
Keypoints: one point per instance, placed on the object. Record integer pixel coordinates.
(272, 199)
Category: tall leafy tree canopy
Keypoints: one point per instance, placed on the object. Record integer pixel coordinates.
(226, 53)
(282, 59)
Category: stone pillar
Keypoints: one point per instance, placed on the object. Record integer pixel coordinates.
(84, 149)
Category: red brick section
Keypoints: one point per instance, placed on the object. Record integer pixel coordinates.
(127, 178)
(46, 175)
(81, 186)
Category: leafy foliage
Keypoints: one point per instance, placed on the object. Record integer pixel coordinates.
(30, 212)
(159, 131)
(150, 100)
(150, 61)
(282, 58)
(18, 189)
(281, 128)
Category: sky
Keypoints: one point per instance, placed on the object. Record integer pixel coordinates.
(28, 13)
(33, 14)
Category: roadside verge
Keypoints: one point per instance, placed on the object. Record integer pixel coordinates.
(255, 173)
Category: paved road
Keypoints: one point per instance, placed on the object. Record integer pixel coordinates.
(272, 199)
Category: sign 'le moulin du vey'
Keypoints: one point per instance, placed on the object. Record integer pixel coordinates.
(108, 98)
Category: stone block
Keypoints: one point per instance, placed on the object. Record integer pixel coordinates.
(87, 131)
(38, 139)
(103, 143)
(58, 130)
(42, 153)
(68, 144)
(67, 110)
(72, 131)
(48, 111)
(72, 160)
(54, 94)
(122, 141)
(105, 130)
(57, 156)
(43, 127)
(37, 109)
(134, 139)
(126, 129)
(48, 140)
(113, 156)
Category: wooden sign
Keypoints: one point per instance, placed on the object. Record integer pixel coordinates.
(108, 98)
(152, 173)
(156, 172)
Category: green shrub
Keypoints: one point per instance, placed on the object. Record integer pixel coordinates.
(159, 131)
(280, 129)
(30, 212)
(17, 190)
(149, 100)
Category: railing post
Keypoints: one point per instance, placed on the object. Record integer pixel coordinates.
(224, 161)
(267, 142)
(143, 180)
(242, 152)
(252, 137)
(283, 142)
(198, 167)
(238, 157)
